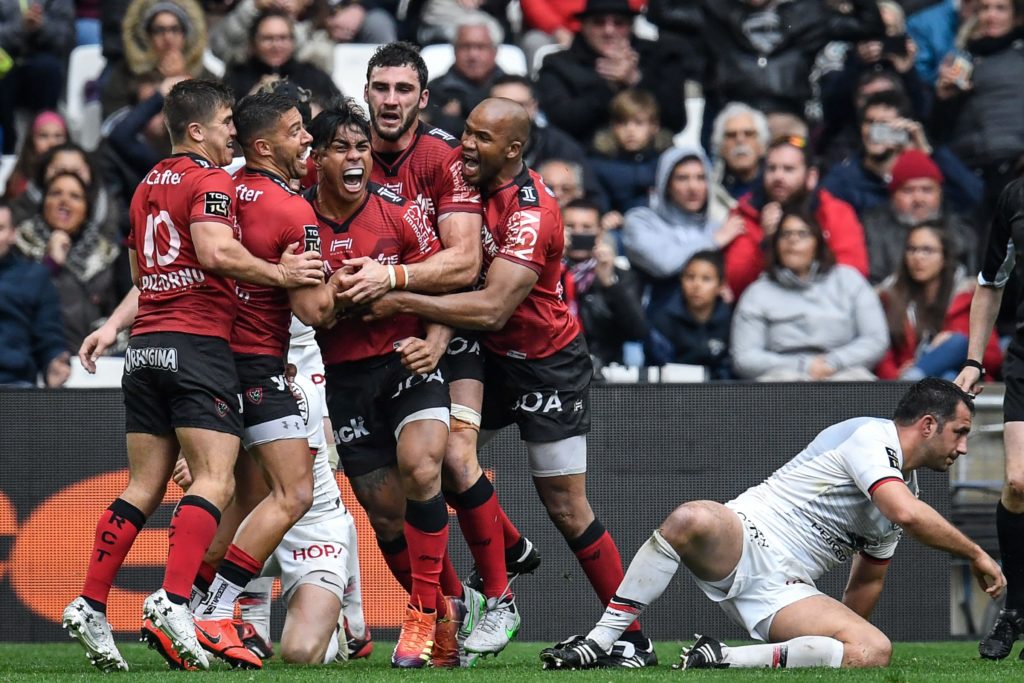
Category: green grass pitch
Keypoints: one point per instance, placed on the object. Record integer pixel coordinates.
(925, 662)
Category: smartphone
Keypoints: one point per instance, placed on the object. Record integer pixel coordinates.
(579, 241)
(963, 65)
(895, 45)
(884, 134)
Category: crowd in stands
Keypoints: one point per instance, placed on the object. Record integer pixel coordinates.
(828, 223)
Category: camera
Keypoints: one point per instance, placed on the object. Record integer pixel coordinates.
(884, 134)
(580, 241)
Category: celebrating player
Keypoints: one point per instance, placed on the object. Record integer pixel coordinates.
(851, 493)
(180, 385)
(537, 368)
(387, 398)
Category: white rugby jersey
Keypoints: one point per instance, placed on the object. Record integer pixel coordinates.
(302, 336)
(326, 496)
(817, 508)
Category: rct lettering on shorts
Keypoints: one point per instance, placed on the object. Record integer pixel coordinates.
(413, 380)
(157, 358)
(356, 430)
(536, 401)
(217, 204)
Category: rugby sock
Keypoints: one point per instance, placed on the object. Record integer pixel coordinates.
(1010, 531)
(396, 555)
(352, 605)
(599, 557)
(426, 532)
(450, 583)
(116, 530)
(515, 544)
(192, 529)
(201, 586)
(478, 511)
(254, 603)
(332, 649)
(647, 577)
(798, 653)
(236, 570)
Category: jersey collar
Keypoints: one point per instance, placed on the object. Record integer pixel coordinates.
(272, 176)
(335, 226)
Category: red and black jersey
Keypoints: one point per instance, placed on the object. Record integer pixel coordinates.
(176, 294)
(391, 230)
(428, 172)
(522, 223)
(270, 216)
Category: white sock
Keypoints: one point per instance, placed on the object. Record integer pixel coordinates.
(352, 605)
(793, 654)
(255, 605)
(196, 599)
(647, 577)
(220, 600)
(332, 649)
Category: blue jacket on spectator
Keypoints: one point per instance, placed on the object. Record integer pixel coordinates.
(864, 190)
(626, 178)
(31, 330)
(676, 337)
(934, 32)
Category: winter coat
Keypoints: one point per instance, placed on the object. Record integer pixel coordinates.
(549, 15)
(56, 36)
(626, 178)
(957, 320)
(744, 257)
(610, 316)
(229, 40)
(933, 30)
(784, 324)
(677, 338)
(454, 86)
(886, 239)
(548, 142)
(31, 331)
(575, 98)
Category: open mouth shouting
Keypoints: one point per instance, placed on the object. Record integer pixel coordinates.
(352, 179)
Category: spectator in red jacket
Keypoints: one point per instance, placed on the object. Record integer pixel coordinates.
(927, 305)
(790, 184)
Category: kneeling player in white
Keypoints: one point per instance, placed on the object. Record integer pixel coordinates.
(851, 492)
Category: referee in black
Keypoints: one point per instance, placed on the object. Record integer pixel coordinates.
(1004, 254)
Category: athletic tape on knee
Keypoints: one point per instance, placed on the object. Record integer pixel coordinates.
(464, 418)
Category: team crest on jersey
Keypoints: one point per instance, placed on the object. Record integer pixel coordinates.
(894, 462)
(312, 241)
(389, 195)
(528, 195)
(338, 245)
(221, 407)
(255, 395)
(217, 204)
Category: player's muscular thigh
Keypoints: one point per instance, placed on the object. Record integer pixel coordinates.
(380, 493)
(708, 537)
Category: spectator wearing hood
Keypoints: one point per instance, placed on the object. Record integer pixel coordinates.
(681, 218)
(158, 35)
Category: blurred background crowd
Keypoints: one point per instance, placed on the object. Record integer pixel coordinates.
(762, 189)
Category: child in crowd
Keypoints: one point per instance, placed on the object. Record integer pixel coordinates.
(693, 328)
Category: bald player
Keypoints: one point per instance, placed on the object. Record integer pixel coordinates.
(537, 369)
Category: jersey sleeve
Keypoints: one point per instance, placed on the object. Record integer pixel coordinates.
(1000, 254)
(419, 240)
(213, 199)
(882, 552)
(530, 231)
(870, 459)
(454, 194)
(298, 224)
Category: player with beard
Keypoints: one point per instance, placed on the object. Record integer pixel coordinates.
(387, 398)
(790, 184)
(180, 383)
(423, 164)
(537, 367)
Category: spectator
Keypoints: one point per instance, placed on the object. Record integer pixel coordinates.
(934, 31)
(762, 51)
(48, 131)
(564, 178)
(603, 294)
(548, 142)
(886, 132)
(807, 318)
(693, 328)
(439, 18)
(575, 85)
(36, 37)
(31, 332)
(625, 155)
(927, 303)
(790, 184)
(839, 134)
(553, 22)
(469, 81)
(681, 219)
(78, 256)
(359, 21)
(915, 196)
(231, 38)
(272, 46)
(979, 98)
(739, 139)
(159, 35)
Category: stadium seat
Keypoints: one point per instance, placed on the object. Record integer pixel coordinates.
(349, 71)
(541, 54)
(439, 59)
(7, 162)
(81, 108)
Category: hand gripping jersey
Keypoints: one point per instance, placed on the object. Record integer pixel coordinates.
(429, 172)
(818, 507)
(522, 223)
(270, 217)
(176, 294)
(392, 231)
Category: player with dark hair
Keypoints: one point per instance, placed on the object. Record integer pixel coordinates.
(851, 493)
(387, 397)
(424, 165)
(180, 387)
(1002, 259)
(537, 368)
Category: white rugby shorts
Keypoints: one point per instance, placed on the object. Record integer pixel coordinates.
(317, 553)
